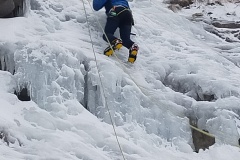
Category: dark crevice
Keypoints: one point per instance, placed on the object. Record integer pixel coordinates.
(7, 63)
(8, 139)
(3, 136)
(91, 91)
(190, 89)
(12, 8)
(23, 94)
(85, 98)
(3, 66)
(202, 96)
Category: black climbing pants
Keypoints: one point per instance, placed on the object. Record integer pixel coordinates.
(122, 20)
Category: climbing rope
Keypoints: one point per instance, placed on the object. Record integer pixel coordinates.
(142, 88)
(101, 83)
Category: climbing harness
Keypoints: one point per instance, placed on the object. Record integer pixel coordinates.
(114, 13)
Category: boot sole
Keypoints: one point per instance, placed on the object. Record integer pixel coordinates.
(108, 53)
(118, 46)
(134, 52)
(131, 60)
(132, 56)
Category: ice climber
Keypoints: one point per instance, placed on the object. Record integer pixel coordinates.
(119, 16)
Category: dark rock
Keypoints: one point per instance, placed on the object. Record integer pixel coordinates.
(174, 7)
(225, 24)
(214, 31)
(236, 31)
(6, 7)
(197, 15)
(200, 140)
(209, 13)
(11, 8)
(230, 40)
(23, 95)
(210, 4)
(3, 136)
(219, 3)
(209, 98)
(182, 3)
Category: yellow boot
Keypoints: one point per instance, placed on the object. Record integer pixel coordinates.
(133, 51)
(116, 45)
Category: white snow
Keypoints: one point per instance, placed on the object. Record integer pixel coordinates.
(179, 67)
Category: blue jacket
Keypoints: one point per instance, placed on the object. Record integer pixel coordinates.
(108, 4)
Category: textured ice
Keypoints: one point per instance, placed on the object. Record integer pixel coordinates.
(177, 70)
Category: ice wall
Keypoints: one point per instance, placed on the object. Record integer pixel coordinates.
(128, 105)
(53, 74)
(54, 60)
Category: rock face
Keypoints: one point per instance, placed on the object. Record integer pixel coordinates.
(200, 140)
(11, 8)
(176, 5)
(218, 19)
(182, 3)
(228, 30)
(226, 24)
